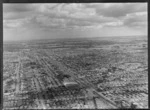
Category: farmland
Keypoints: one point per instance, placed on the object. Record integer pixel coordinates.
(104, 73)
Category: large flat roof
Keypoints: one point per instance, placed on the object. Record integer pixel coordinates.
(67, 83)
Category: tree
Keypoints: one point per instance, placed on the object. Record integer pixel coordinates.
(133, 106)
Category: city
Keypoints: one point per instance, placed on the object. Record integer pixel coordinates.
(76, 73)
(75, 55)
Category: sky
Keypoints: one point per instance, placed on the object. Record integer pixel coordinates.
(73, 20)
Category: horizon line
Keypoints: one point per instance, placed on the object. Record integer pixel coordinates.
(72, 38)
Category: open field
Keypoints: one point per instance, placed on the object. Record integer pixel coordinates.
(98, 73)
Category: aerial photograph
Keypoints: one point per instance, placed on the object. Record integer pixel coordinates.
(75, 56)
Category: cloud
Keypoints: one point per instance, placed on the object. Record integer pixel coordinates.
(138, 19)
(118, 9)
(19, 11)
(15, 23)
(19, 7)
(119, 23)
(47, 21)
(62, 17)
(75, 15)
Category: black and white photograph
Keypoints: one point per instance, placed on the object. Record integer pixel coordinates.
(75, 55)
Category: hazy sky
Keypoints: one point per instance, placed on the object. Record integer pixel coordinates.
(40, 21)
